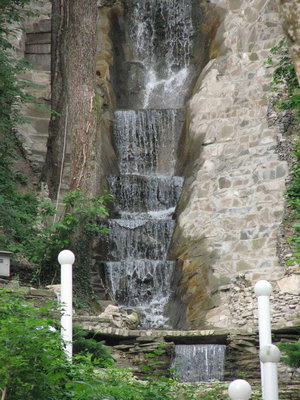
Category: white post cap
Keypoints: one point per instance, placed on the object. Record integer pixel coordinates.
(263, 288)
(66, 257)
(239, 390)
(269, 353)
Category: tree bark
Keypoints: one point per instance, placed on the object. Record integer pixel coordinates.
(72, 130)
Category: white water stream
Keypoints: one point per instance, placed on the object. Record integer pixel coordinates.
(138, 271)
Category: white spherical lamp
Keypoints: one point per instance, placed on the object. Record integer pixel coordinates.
(66, 257)
(263, 288)
(269, 353)
(239, 390)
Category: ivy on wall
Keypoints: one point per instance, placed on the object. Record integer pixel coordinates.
(287, 98)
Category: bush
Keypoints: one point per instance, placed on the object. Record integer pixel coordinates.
(32, 361)
(83, 345)
(291, 353)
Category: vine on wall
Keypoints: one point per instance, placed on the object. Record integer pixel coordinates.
(287, 98)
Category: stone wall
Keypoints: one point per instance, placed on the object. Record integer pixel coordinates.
(233, 203)
(32, 42)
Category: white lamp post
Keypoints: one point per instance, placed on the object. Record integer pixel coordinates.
(66, 259)
(270, 355)
(239, 390)
(263, 289)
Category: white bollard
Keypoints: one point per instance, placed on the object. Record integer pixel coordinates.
(270, 355)
(263, 289)
(66, 259)
(239, 390)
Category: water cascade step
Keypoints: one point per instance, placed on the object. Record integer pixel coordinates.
(146, 140)
(196, 363)
(137, 239)
(132, 284)
(144, 196)
(134, 255)
(146, 131)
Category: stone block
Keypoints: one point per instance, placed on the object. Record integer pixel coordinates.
(41, 292)
(290, 284)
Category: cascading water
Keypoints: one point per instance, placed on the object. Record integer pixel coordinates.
(133, 282)
(156, 42)
(137, 268)
(159, 47)
(196, 363)
(162, 31)
(146, 140)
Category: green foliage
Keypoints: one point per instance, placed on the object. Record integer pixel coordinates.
(82, 213)
(33, 365)
(287, 89)
(17, 210)
(156, 367)
(25, 230)
(31, 237)
(11, 96)
(284, 82)
(83, 345)
(291, 353)
(32, 362)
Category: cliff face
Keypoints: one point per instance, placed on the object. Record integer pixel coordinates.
(233, 201)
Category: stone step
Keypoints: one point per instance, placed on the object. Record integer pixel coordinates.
(43, 25)
(39, 124)
(37, 48)
(38, 37)
(146, 140)
(139, 282)
(40, 62)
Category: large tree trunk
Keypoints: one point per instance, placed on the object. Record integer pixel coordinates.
(72, 131)
(289, 11)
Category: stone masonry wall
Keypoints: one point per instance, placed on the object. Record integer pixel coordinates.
(233, 200)
(33, 43)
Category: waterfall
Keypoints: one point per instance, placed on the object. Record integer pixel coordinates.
(133, 282)
(156, 44)
(146, 140)
(138, 272)
(162, 31)
(138, 239)
(140, 197)
(196, 363)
